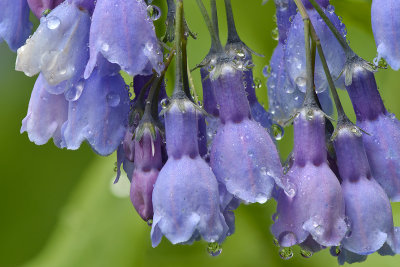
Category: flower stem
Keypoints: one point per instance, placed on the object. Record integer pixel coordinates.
(215, 41)
(233, 36)
(178, 89)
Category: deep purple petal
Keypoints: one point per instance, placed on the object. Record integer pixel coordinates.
(38, 6)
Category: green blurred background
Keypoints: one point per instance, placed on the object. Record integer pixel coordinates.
(59, 207)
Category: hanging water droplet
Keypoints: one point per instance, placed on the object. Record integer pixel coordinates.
(310, 115)
(286, 253)
(153, 12)
(290, 190)
(257, 83)
(337, 251)
(275, 34)
(356, 131)
(276, 242)
(301, 81)
(46, 12)
(306, 253)
(105, 47)
(214, 249)
(113, 99)
(74, 92)
(150, 222)
(164, 103)
(53, 22)
(277, 131)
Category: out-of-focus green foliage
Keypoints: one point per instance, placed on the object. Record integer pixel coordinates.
(59, 207)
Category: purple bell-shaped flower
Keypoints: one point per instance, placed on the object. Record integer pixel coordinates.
(123, 33)
(58, 49)
(386, 27)
(368, 208)
(186, 206)
(382, 143)
(39, 6)
(15, 26)
(46, 114)
(148, 163)
(311, 204)
(242, 141)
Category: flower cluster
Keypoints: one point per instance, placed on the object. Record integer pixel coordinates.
(191, 163)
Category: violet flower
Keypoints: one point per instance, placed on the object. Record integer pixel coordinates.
(186, 206)
(46, 115)
(123, 33)
(382, 143)
(311, 204)
(148, 163)
(363, 197)
(385, 25)
(242, 141)
(100, 115)
(58, 49)
(15, 26)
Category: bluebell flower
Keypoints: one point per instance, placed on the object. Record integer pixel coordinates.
(311, 204)
(186, 206)
(100, 115)
(334, 53)
(148, 162)
(58, 49)
(241, 140)
(39, 6)
(386, 25)
(46, 115)
(368, 208)
(15, 26)
(284, 97)
(382, 143)
(123, 33)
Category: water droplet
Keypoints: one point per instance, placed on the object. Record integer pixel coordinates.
(113, 99)
(286, 253)
(275, 217)
(337, 251)
(306, 253)
(257, 83)
(153, 12)
(310, 115)
(53, 22)
(277, 131)
(266, 71)
(356, 131)
(150, 222)
(74, 92)
(330, 9)
(164, 103)
(301, 81)
(105, 47)
(275, 34)
(214, 249)
(290, 189)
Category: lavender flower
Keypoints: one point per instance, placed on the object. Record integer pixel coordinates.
(382, 143)
(385, 25)
(363, 196)
(123, 33)
(243, 141)
(15, 26)
(39, 6)
(46, 115)
(295, 53)
(58, 48)
(311, 204)
(186, 206)
(148, 163)
(100, 115)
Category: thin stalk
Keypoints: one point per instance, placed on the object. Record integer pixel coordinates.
(186, 86)
(332, 27)
(178, 45)
(214, 36)
(214, 16)
(233, 36)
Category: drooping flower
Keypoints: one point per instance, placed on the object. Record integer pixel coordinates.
(100, 115)
(363, 197)
(186, 206)
(39, 6)
(241, 140)
(46, 115)
(386, 25)
(382, 143)
(123, 33)
(15, 26)
(148, 163)
(295, 60)
(311, 204)
(58, 49)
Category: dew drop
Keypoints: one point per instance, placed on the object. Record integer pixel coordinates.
(53, 22)
(150, 222)
(105, 47)
(277, 131)
(286, 253)
(113, 99)
(214, 249)
(257, 83)
(164, 103)
(276, 242)
(306, 253)
(301, 81)
(153, 12)
(275, 34)
(74, 92)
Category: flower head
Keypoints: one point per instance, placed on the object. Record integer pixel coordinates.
(15, 26)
